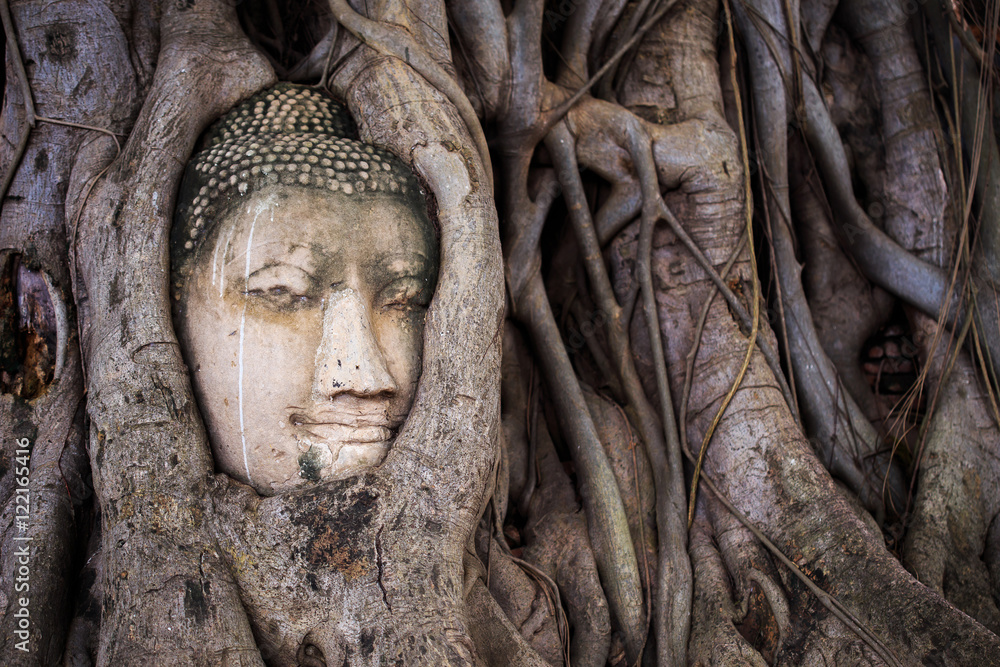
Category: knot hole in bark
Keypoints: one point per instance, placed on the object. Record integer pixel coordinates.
(311, 655)
(29, 328)
(321, 650)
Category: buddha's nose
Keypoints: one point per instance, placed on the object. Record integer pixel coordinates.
(349, 359)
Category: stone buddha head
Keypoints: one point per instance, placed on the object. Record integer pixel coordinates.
(303, 262)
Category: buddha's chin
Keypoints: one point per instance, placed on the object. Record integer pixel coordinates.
(356, 457)
(318, 461)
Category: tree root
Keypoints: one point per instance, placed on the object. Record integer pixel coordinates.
(607, 524)
(558, 543)
(151, 575)
(635, 481)
(673, 594)
(714, 639)
(497, 640)
(846, 309)
(764, 606)
(526, 601)
(830, 410)
(956, 496)
(556, 531)
(395, 41)
(976, 132)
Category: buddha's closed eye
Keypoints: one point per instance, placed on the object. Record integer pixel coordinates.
(406, 293)
(281, 286)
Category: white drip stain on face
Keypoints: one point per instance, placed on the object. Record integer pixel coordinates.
(243, 317)
(222, 266)
(215, 259)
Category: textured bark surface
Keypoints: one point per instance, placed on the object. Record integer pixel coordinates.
(42, 404)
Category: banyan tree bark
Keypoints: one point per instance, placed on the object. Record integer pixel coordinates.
(47, 501)
(151, 466)
(699, 239)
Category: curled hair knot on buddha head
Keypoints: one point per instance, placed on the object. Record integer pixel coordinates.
(287, 135)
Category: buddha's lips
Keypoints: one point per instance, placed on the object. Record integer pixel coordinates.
(343, 428)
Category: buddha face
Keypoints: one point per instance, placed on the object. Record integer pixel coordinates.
(302, 323)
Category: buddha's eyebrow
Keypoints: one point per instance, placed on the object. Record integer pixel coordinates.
(406, 261)
(274, 252)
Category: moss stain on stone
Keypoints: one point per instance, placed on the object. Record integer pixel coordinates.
(310, 464)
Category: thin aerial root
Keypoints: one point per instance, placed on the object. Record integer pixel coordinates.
(675, 585)
(725, 402)
(642, 155)
(605, 511)
(681, 596)
(632, 444)
(562, 146)
(551, 591)
(607, 87)
(558, 114)
(693, 352)
(746, 320)
(66, 123)
(777, 601)
(14, 51)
